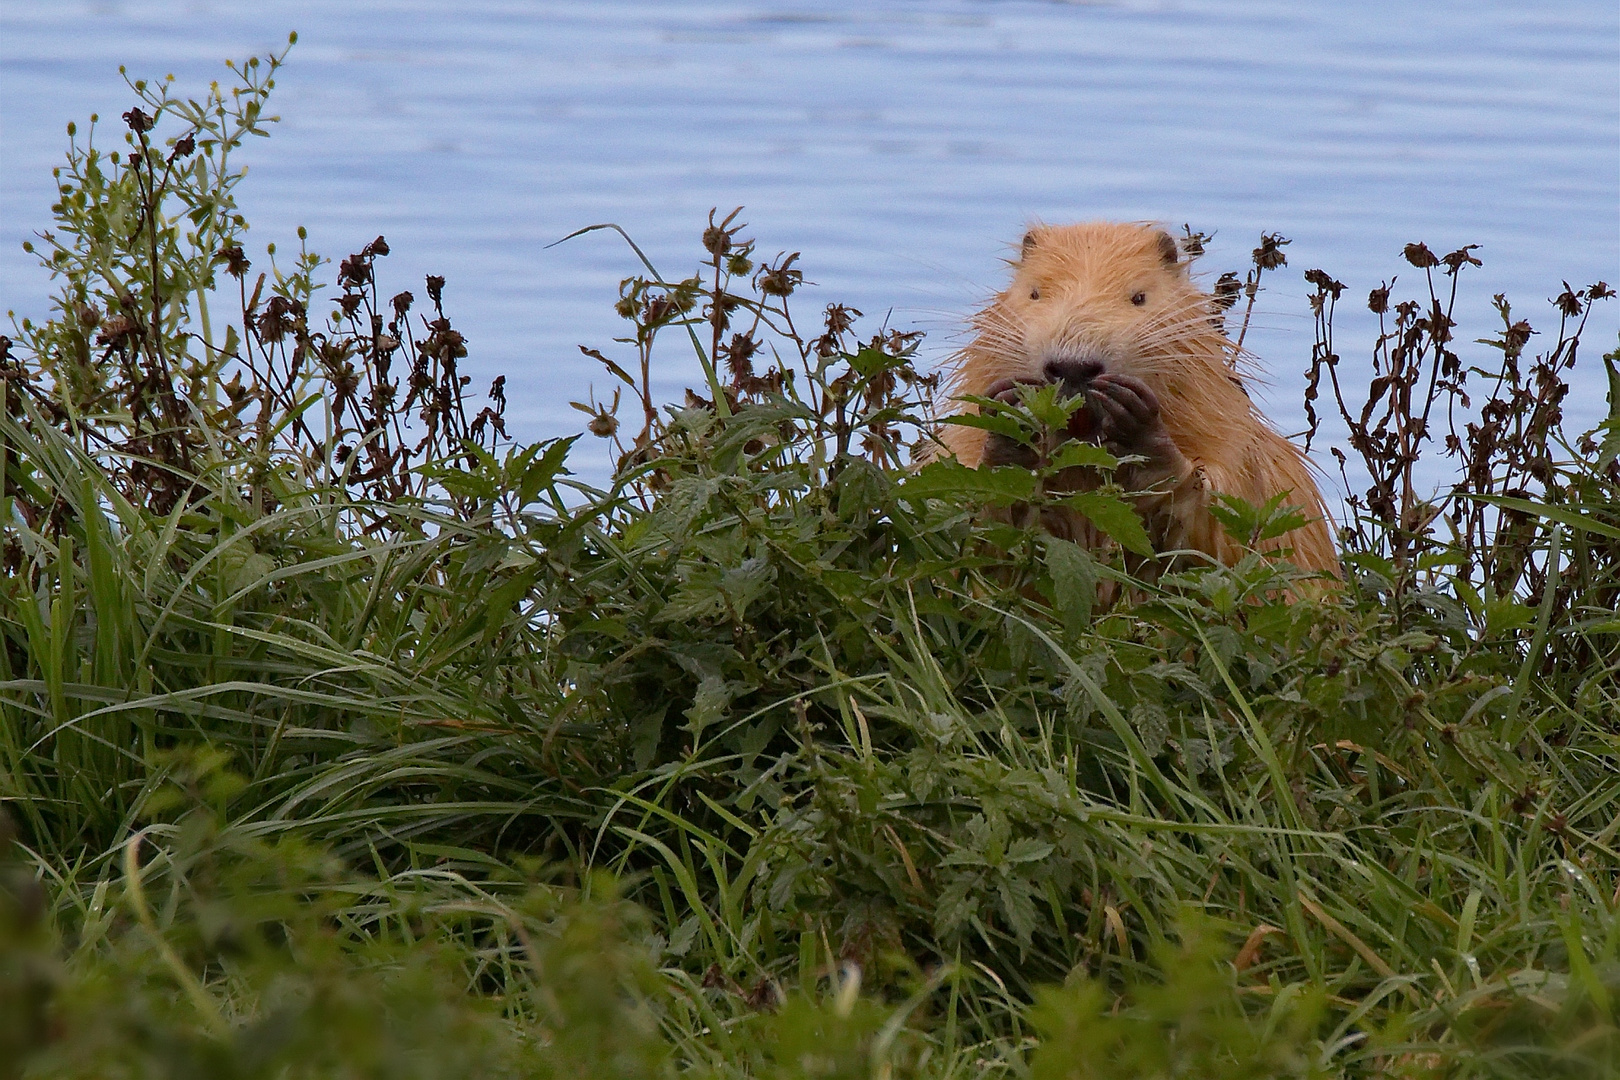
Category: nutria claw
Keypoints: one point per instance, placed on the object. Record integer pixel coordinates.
(1128, 415)
(1006, 390)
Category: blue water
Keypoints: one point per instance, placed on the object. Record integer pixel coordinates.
(900, 147)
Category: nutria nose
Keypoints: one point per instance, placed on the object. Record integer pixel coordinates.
(1073, 372)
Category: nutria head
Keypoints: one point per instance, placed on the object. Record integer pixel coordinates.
(1099, 296)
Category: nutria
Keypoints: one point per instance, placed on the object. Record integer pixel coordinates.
(1109, 311)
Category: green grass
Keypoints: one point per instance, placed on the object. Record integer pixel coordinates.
(332, 753)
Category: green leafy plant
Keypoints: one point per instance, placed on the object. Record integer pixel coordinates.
(341, 737)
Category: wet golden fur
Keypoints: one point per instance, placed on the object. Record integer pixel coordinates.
(1086, 276)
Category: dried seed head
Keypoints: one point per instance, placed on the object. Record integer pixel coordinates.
(780, 280)
(1569, 304)
(1192, 243)
(118, 330)
(716, 241)
(1325, 283)
(1420, 256)
(354, 271)
(1460, 258)
(1269, 255)
(235, 260)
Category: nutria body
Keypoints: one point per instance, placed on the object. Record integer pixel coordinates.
(1109, 311)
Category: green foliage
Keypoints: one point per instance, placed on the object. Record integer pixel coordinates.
(1194, 1024)
(341, 739)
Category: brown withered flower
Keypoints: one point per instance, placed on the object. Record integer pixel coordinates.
(1420, 256)
(718, 239)
(354, 271)
(235, 260)
(118, 331)
(1327, 284)
(604, 425)
(739, 356)
(1269, 255)
(1460, 258)
(1192, 243)
(780, 280)
(276, 321)
(1568, 302)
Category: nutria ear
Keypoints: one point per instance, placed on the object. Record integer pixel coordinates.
(1029, 243)
(1168, 249)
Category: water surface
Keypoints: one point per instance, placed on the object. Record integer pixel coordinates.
(900, 147)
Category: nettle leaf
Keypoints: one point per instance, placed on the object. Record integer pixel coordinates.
(861, 486)
(868, 361)
(1074, 581)
(996, 422)
(1073, 454)
(538, 474)
(467, 485)
(1028, 849)
(683, 502)
(1019, 907)
(945, 479)
(708, 705)
(1152, 726)
(746, 582)
(1114, 516)
(698, 597)
(1049, 408)
(1249, 524)
(1610, 449)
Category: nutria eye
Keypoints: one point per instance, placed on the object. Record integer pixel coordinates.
(1034, 294)
(1139, 299)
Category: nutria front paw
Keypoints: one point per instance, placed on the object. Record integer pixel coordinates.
(1128, 420)
(998, 448)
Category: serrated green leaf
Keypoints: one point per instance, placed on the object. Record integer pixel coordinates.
(1114, 516)
(944, 479)
(868, 361)
(540, 473)
(1610, 449)
(1074, 454)
(996, 422)
(1074, 581)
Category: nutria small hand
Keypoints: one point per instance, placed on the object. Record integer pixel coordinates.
(1128, 420)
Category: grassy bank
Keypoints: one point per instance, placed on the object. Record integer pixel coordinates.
(341, 736)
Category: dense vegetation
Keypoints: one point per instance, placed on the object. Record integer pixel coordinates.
(339, 736)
